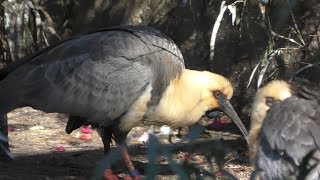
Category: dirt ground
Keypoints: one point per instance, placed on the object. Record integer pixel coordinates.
(34, 135)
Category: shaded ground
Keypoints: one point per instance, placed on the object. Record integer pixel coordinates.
(35, 134)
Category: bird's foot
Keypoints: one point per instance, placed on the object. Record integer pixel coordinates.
(108, 175)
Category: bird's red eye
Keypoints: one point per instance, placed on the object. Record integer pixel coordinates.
(217, 93)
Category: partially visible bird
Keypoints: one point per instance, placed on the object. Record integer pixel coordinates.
(116, 79)
(285, 128)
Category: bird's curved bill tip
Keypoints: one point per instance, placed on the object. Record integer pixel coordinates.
(228, 109)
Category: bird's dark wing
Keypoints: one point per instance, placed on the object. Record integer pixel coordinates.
(290, 131)
(97, 76)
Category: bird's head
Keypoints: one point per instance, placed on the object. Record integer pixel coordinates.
(274, 92)
(216, 88)
(197, 93)
(216, 91)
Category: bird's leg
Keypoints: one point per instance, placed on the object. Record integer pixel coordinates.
(179, 135)
(119, 138)
(128, 162)
(4, 145)
(106, 136)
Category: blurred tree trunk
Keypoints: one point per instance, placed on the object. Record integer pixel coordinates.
(23, 29)
(4, 50)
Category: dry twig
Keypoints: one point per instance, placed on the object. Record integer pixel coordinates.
(267, 61)
(286, 38)
(302, 69)
(215, 28)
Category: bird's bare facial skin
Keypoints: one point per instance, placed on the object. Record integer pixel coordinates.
(217, 94)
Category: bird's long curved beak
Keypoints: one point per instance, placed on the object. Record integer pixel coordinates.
(226, 107)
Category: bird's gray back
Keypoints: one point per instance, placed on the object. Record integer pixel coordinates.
(98, 75)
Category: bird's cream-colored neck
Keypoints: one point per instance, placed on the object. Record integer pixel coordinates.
(183, 101)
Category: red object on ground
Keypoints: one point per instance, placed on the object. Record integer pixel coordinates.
(86, 137)
(10, 129)
(219, 174)
(215, 126)
(86, 129)
(219, 124)
(224, 120)
(58, 149)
